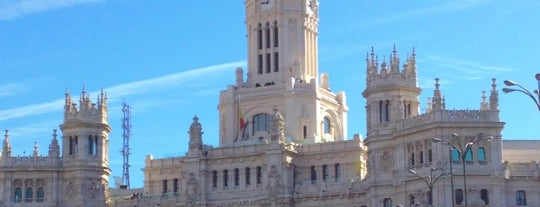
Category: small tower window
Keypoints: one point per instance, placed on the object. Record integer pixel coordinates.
(421, 157)
(387, 202)
(455, 155)
(459, 196)
(276, 39)
(468, 155)
(521, 200)
(260, 64)
(276, 62)
(484, 196)
(268, 63)
(267, 35)
(305, 132)
(381, 111)
(259, 37)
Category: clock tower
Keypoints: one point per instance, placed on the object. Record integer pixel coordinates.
(282, 74)
(282, 41)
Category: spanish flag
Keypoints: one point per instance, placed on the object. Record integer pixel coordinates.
(241, 122)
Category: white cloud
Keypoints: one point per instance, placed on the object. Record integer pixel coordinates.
(12, 9)
(465, 66)
(119, 91)
(449, 6)
(11, 88)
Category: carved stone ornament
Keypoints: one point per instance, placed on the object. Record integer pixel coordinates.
(71, 190)
(274, 182)
(387, 160)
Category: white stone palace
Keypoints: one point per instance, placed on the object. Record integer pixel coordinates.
(282, 140)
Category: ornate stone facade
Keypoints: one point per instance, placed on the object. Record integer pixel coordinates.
(282, 136)
(78, 177)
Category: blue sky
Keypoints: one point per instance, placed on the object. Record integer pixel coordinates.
(169, 60)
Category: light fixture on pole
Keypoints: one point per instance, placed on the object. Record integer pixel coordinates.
(524, 90)
(430, 181)
(463, 146)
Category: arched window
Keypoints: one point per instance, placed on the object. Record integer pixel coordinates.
(455, 155)
(412, 159)
(411, 199)
(236, 176)
(29, 195)
(17, 197)
(387, 202)
(225, 178)
(259, 175)
(430, 156)
(481, 154)
(267, 29)
(484, 196)
(305, 132)
(268, 63)
(313, 174)
(459, 196)
(468, 155)
(276, 39)
(40, 195)
(327, 126)
(521, 199)
(261, 122)
(248, 176)
(90, 145)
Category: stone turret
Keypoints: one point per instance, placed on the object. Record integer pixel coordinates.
(391, 92)
(494, 96)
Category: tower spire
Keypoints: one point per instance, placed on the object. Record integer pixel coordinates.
(438, 100)
(484, 104)
(54, 148)
(494, 96)
(6, 152)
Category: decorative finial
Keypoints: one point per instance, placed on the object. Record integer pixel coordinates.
(6, 135)
(195, 119)
(54, 134)
(437, 84)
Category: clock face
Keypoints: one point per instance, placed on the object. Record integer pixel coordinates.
(267, 4)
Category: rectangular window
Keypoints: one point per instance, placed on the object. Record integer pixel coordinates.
(268, 63)
(276, 62)
(430, 156)
(521, 200)
(259, 38)
(325, 172)
(267, 36)
(313, 175)
(164, 186)
(214, 178)
(276, 39)
(421, 157)
(337, 171)
(175, 185)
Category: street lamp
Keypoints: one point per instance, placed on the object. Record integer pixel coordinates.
(430, 181)
(524, 90)
(463, 146)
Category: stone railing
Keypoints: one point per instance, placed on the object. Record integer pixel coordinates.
(450, 116)
(31, 161)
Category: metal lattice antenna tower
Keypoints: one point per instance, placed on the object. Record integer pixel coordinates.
(126, 126)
